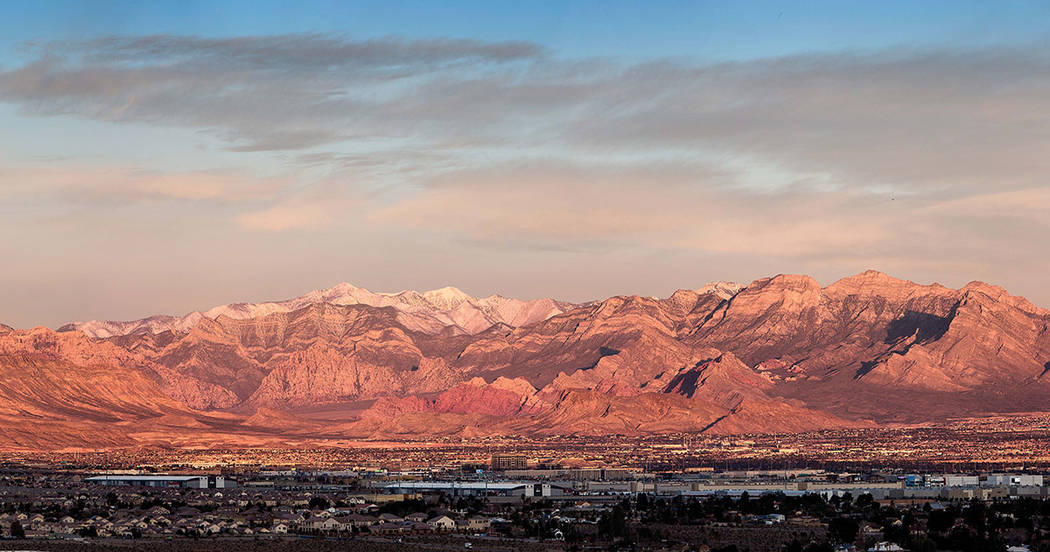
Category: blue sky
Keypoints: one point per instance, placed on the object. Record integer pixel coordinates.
(165, 157)
(713, 30)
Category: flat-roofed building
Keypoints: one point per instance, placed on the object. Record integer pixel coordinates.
(185, 481)
(479, 488)
(508, 462)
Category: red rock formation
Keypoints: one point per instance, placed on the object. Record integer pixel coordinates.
(780, 354)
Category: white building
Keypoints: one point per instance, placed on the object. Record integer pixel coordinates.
(1012, 480)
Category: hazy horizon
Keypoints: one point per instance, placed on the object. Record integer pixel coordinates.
(161, 159)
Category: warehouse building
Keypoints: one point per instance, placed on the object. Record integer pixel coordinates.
(479, 488)
(181, 481)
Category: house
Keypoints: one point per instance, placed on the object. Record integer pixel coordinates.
(441, 523)
(287, 517)
(332, 524)
(473, 524)
(418, 517)
(359, 521)
(318, 523)
(886, 547)
(386, 528)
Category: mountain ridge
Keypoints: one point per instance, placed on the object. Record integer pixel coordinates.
(428, 311)
(780, 354)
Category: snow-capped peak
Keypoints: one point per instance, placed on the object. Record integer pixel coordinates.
(447, 297)
(428, 312)
(724, 290)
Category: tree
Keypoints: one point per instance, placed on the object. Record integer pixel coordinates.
(843, 529)
(17, 531)
(922, 544)
(974, 515)
(940, 521)
(319, 503)
(614, 523)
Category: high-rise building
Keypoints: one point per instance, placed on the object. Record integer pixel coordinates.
(508, 462)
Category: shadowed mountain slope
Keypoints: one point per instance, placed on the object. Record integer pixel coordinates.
(780, 354)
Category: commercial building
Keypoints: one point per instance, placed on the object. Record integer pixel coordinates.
(574, 474)
(508, 462)
(479, 488)
(1015, 480)
(183, 481)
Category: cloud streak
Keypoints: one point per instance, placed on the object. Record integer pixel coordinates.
(912, 121)
(927, 163)
(259, 93)
(66, 183)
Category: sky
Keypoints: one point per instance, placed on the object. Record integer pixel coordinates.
(159, 158)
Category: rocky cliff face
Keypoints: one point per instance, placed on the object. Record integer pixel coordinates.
(779, 354)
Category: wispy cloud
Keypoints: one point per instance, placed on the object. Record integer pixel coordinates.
(696, 208)
(1032, 204)
(259, 93)
(927, 161)
(946, 121)
(296, 214)
(66, 182)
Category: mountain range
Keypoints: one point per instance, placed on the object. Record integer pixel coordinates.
(427, 312)
(780, 354)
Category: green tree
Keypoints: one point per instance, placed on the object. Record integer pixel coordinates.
(17, 531)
